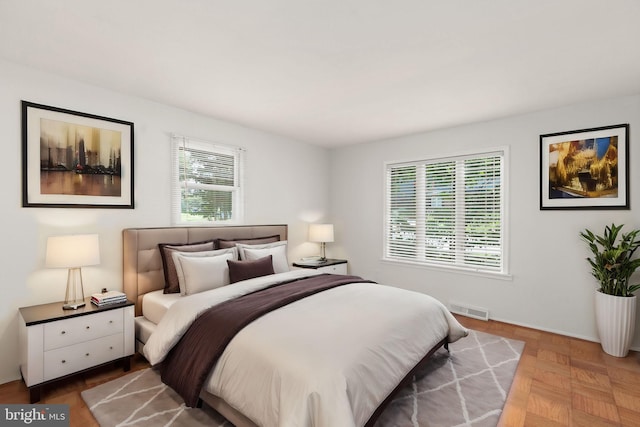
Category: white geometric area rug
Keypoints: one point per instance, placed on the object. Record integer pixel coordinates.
(467, 386)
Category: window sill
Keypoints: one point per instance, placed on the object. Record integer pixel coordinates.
(449, 269)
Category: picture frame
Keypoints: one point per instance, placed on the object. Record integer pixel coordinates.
(585, 169)
(72, 159)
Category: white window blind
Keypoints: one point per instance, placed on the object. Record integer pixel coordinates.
(207, 182)
(447, 212)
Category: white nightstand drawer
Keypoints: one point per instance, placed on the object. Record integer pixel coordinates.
(334, 269)
(67, 360)
(67, 332)
(330, 265)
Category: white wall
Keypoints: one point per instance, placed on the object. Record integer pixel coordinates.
(279, 174)
(551, 286)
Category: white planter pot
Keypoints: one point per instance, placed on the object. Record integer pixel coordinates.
(616, 321)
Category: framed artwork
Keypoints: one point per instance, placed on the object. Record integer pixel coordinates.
(75, 160)
(585, 169)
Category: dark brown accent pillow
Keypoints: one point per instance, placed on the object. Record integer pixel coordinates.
(171, 284)
(229, 243)
(243, 270)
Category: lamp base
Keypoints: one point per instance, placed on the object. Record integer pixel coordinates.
(73, 305)
(74, 297)
(323, 253)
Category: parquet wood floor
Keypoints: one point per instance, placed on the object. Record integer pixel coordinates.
(560, 381)
(67, 391)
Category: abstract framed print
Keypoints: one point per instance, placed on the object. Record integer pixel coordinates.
(585, 169)
(75, 160)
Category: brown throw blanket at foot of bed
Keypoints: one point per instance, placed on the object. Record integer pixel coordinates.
(188, 364)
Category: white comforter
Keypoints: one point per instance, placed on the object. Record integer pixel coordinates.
(324, 361)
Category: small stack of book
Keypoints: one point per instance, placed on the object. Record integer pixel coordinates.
(106, 298)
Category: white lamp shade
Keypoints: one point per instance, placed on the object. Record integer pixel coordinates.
(73, 251)
(321, 232)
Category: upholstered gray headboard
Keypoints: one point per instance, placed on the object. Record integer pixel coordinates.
(142, 264)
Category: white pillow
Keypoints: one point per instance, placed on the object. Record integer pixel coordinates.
(202, 271)
(278, 250)
(216, 252)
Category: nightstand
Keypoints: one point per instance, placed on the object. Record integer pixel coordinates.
(333, 266)
(56, 343)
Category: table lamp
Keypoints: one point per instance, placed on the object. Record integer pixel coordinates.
(322, 233)
(73, 252)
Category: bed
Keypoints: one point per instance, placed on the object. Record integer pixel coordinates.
(333, 358)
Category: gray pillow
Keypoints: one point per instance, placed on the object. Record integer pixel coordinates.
(224, 243)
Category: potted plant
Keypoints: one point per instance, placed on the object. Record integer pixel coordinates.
(612, 265)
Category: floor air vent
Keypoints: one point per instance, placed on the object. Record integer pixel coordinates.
(467, 310)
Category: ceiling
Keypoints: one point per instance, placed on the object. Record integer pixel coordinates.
(336, 72)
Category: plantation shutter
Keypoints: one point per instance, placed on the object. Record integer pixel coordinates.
(446, 212)
(482, 217)
(206, 185)
(403, 212)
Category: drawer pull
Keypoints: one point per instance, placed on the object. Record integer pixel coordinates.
(64, 361)
(110, 321)
(110, 347)
(63, 332)
(88, 327)
(87, 354)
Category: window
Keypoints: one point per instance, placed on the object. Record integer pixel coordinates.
(207, 182)
(447, 212)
